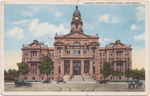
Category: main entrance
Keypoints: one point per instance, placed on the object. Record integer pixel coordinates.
(77, 67)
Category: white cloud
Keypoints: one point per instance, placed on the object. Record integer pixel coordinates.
(108, 18)
(114, 20)
(58, 14)
(133, 27)
(140, 37)
(16, 32)
(140, 13)
(106, 39)
(104, 18)
(27, 13)
(24, 21)
(46, 28)
(102, 43)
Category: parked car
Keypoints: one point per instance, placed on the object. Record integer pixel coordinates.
(61, 80)
(46, 81)
(21, 82)
(136, 84)
(102, 82)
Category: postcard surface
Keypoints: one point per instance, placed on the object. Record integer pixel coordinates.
(75, 47)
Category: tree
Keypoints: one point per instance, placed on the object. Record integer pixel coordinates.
(128, 74)
(117, 73)
(13, 74)
(106, 69)
(6, 76)
(46, 66)
(135, 73)
(142, 74)
(22, 68)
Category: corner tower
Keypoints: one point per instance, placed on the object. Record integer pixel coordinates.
(76, 23)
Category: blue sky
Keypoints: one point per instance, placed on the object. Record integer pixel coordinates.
(25, 22)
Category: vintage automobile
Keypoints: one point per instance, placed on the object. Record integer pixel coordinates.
(102, 82)
(61, 80)
(21, 82)
(136, 84)
(46, 81)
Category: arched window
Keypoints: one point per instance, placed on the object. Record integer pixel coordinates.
(110, 53)
(68, 44)
(76, 44)
(26, 54)
(85, 44)
(127, 53)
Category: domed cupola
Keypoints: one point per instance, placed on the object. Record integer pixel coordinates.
(76, 23)
(76, 11)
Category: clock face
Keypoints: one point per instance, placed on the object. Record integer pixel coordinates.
(76, 18)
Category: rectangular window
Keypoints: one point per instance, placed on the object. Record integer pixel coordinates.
(35, 59)
(49, 54)
(103, 54)
(128, 64)
(42, 53)
(100, 54)
(68, 51)
(25, 78)
(25, 59)
(32, 70)
(32, 53)
(111, 59)
(76, 51)
(93, 69)
(93, 62)
(119, 59)
(32, 59)
(84, 52)
(119, 54)
(35, 53)
(59, 56)
(52, 54)
(35, 71)
(33, 78)
(59, 70)
(103, 59)
(128, 58)
(93, 51)
(76, 26)
(100, 59)
(100, 65)
(59, 51)
(42, 78)
(117, 69)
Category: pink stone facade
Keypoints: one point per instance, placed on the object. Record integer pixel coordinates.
(77, 54)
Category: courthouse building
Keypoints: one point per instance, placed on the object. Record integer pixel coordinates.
(77, 54)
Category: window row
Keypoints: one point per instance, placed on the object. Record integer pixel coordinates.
(102, 53)
(101, 59)
(42, 78)
(42, 54)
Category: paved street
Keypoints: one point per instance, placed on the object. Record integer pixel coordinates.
(38, 86)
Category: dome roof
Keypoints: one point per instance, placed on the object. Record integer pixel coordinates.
(76, 11)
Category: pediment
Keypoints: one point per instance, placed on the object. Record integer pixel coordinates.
(76, 35)
(34, 45)
(118, 45)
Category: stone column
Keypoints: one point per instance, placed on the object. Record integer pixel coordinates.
(71, 66)
(91, 67)
(62, 67)
(81, 51)
(115, 69)
(39, 56)
(63, 51)
(114, 55)
(97, 51)
(123, 68)
(89, 51)
(71, 51)
(82, 66)
(123, 55)
(29, 65)
(55, 52)
(30, 55)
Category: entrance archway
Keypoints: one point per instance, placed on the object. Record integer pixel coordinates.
(76, 67)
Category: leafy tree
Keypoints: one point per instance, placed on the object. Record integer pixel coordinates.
(22, 68)
(6, 76)
(141, 74)
(13, 74)
(135, 73)
(128, 74)
(46, 66)
(117, 73)
(106, 69)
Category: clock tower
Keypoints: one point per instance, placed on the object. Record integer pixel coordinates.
(76, 23)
